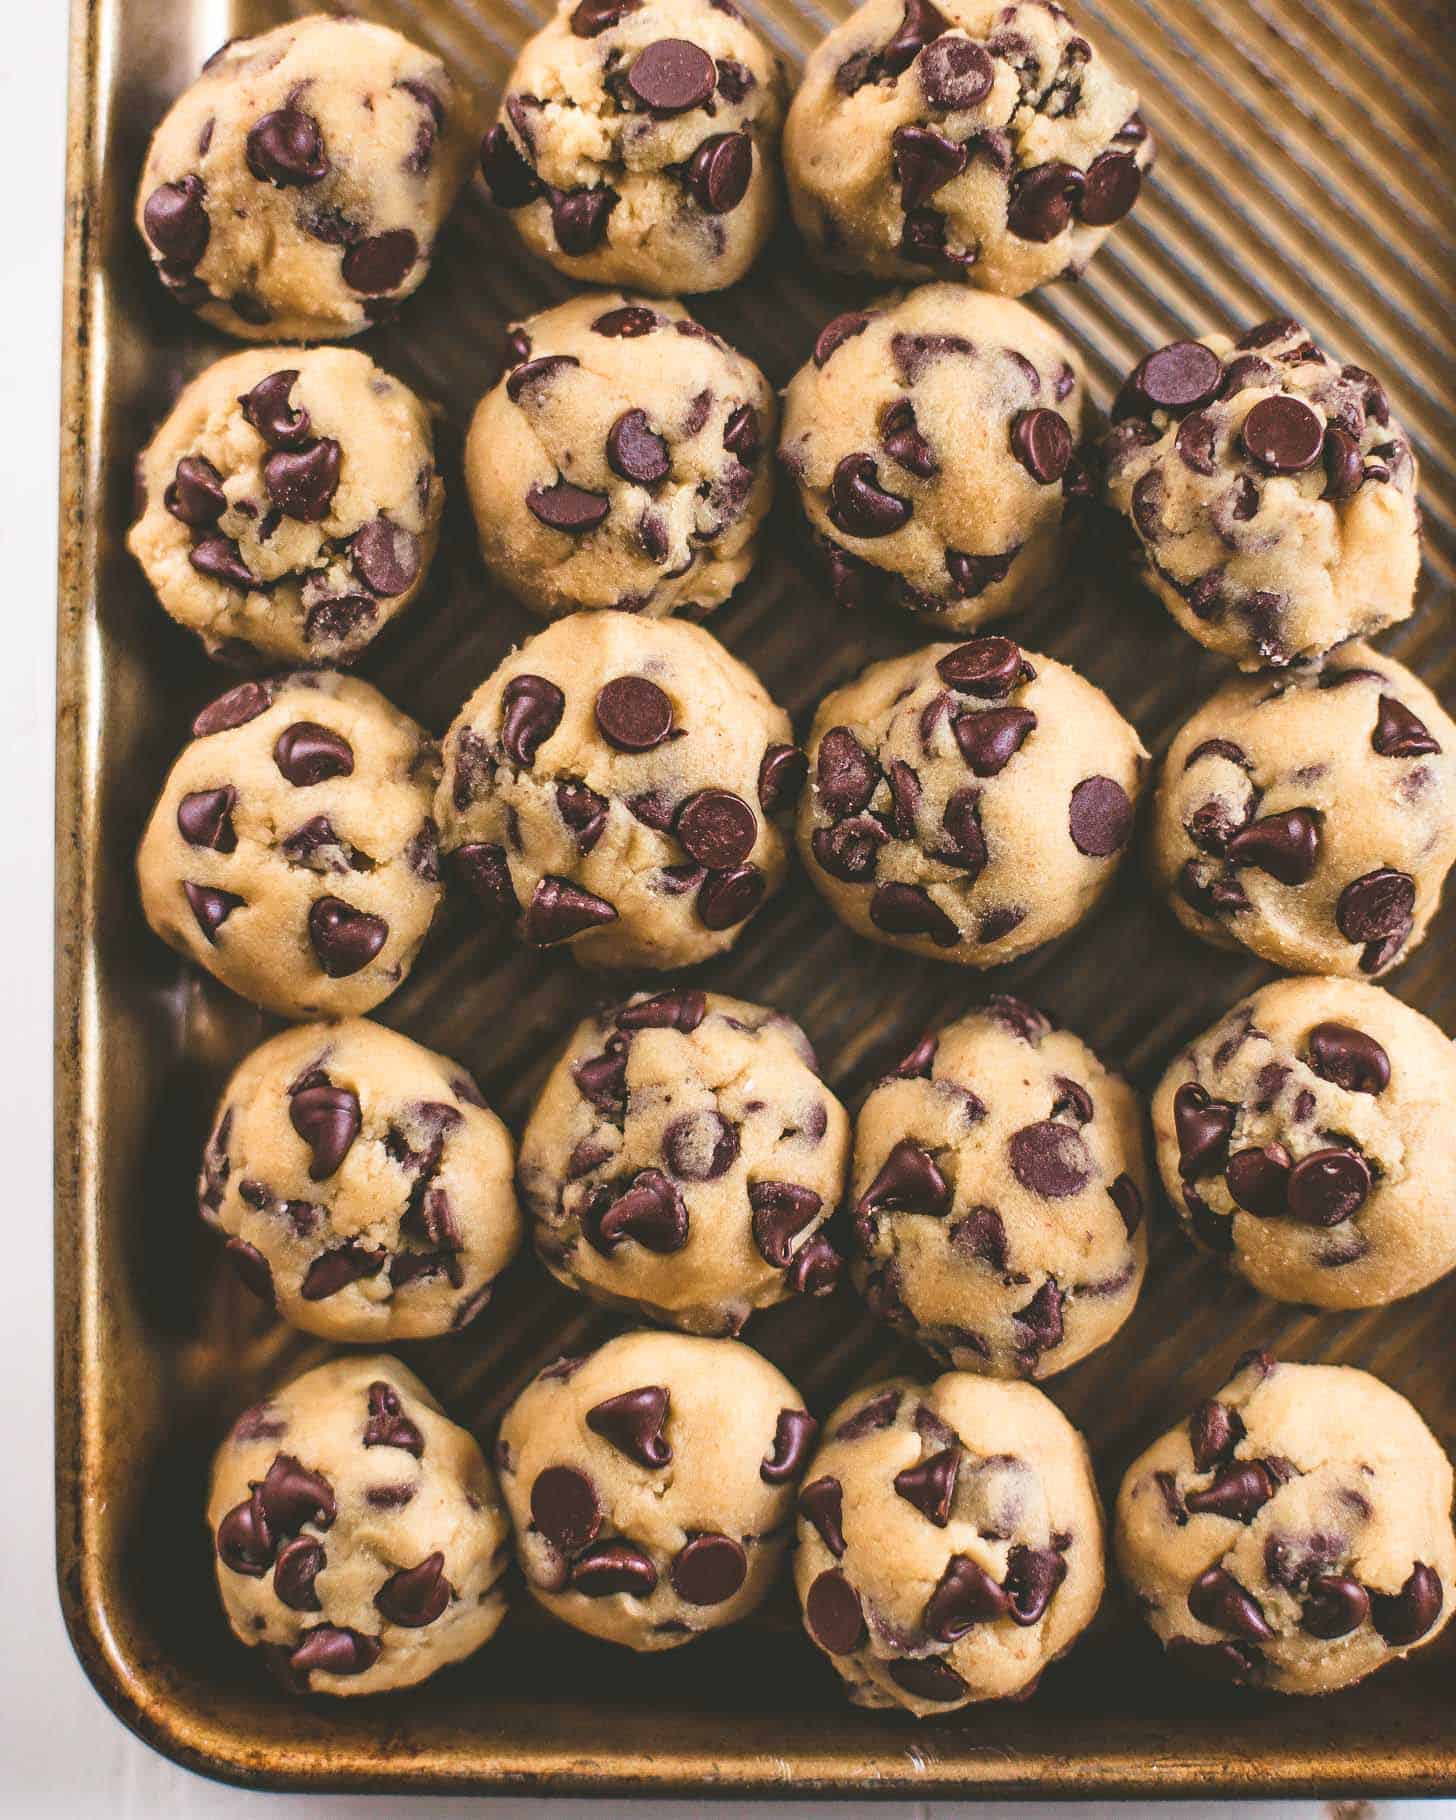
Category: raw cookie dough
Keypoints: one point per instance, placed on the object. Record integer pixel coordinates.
(290, 505)
(360, 1535)
(623, 460)
(364, 1187)
(1272, 494)
(615, 785)
(999, 1184)
(934, 439)
(637, 143)
(682, 1158)
(1294, 1533)
(985, 142)
(1311, 817)
(652, 1485)
(950, 1542)
(292, 851)
(1307, 1137)
(295, 191)
(968, 802)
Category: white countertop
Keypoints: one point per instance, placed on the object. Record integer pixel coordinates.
(61, 1751)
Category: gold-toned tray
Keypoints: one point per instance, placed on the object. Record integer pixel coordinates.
(1306, 166)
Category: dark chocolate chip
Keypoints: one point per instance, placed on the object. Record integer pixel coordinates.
(564, 1508)
(633, 1422)
(837, 331)
(302, 483)
(1041, 441)
(205, 819)
(332, 1649)
(1239, 1492)
(1258, 1180)
(344, 939)
(292, 1495)
(1398, 733)
(1214, 1430)
(219, 559)
(1100, 817)
(636, 451)
(927, 1678)
(511, 180)
(1349, 1058)
(251, 1268)
(1217, 1599)
(1283, 435)
(334, 1270)
(1128, 1200)
(1050, 1159)
(388, 1425)
(532, 709)
(386, 557)
(833, 1613)
(986, 667)
(1032, 1578)
(964, 1596)
(559, 910)
(719, 172)
(1378, 905)
(717, 828)
(175, 218)
(672, 75)
(989, 740)
(728, 898)
(901, 440)
(924, 161)
(1112, 185)
(307, 754)
(845, 773)
(859, 506)
(1203, 1127)
(955, 73)
(634, 715)
(930, 1485)
(794, 1434)
(822, 1502)
(583, 811)
(781, 1211)
(210, 907)
(909, 910)
(700, 1146)
(709, 1570)
(245, 1542)
(579, 219)
(1176, 378)
(380, 263)
(195, 494)
(815, 1269)
(679, 1008)
(416, 1596)
(908, 1181)
(483, 867)
(608, 1568)
(1334, 1605)
(649, 1211)
(1403, 1618)
(781, 776)
(1328, 1186)
(286, 149)
(328, 1120)
(1042, 199)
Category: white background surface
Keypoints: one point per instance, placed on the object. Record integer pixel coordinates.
(61, 1752)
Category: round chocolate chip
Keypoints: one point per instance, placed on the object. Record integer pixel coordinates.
(1376, 906)
(1042, 442)
(1328, 1186)
(1349, 1058)
(286, 148)
(1042, 199)
(671, 75)
(859, 506)
(175, 218)
(636, 451)
(1258, 1179)
(1283, 435)
(955, 73)
(343, 938)
(987, 667)
(564, 507)
(719, 171)
(1334, 1605)
(1099, 817)
(1176, 378)
(633, 714)
(307, 753)
(1112, 185)
(381, 263)
(564, 1508)
(1050, 1159)
(717, 828)
(835, 1618)
(386, 557)
(532, 709)
(709, 1570)
(728, 898)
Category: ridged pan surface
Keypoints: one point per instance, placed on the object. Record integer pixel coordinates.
(1306, 167)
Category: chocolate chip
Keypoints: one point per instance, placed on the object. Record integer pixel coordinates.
(1334, 1606)
(204, 819)
(633, 1423)
(510, 178)
(700, 1146)
(964, 1596)
(717, 828)
(579, 219)
(1328, 1186)
(1286, 846)
(327, 1118)
(1378, 905)
(708, 1570)
(307, 754)
(416, 1596)
(1349, 1058)
(292, 1495)
(1283, 435)
(1258, 1179)
(728, 898)
(628, 321)
(286, 148)
(300, 1562)
(1344, 467)
(1050, 1159)
(483, 867)
(386, 557)
(1041, 441)
(741, 435)
(679, 1008)
(833, 1613)
(815, 1269)
(302, 483)
(781, 776)
(1203, 1127)
(609, 1568)
(989, 740)
(901, 440)
(671, 75)
(845, 774)
(583, 811)
(592, 17)
(1398, 733)
(636, 451)
(1042, 199)
(923, 162)
(781, 1211)
(219, 559)
(859, 506)
(1239, 1493)
(388, 1425)
(930, 1485)
(211, 908)
(649, 1211)
(1214, 1430)
(850, 849)
(380, 263)
(955, 73)
(1128, 1200)
(987, 667)
(909, 1181)
(1099, 817)
(1217, 1599)
(837, 331)
(1403, 1618)
(1195, 441)
(1111, 187)
(909, 910)
(1176, 378)
(564, 1508)
(822, 1502)
(794, 1434)
(633, 714)
(195, 494)
(252, 1268)
(560, 910)
(244, 1539)
(175, 218)
(332, 1649)
(1032, 1578)
(334, 1270)
(719, 171)
(532, 709)
(927, 1678)
(343, 938)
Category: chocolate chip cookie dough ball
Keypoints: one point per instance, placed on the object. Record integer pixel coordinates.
(291, 505)
(638, 143)
(615, 785)
(950, 1542)
(1294, 1533)
(623, 460)
(1272, 493)
(934, 440)
(1307, 1138)
(999, 1184)
(682, 1159)
(295, 191)
(980, 141)
(968, 802)
(652, 1485)
(292, 852)
(360, 1535)
(1312, 818)
(362, 1184)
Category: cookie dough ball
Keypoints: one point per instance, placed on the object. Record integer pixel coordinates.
(615, 785)
(291, 505)
(363, 1185)
(292, 851)
(652, 1485)
(621, 461)
(682, 1159)
(998, 1191)
(638, 142)
(1312, 819)
(969, 802)
(360, 1536)
(1272, 494)
(295, 191)
(985, 142)
(1307, 1138)
(934, 442)
(1294, 1533)
(950, 1542)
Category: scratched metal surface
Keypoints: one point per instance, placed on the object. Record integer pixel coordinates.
(1306, 166)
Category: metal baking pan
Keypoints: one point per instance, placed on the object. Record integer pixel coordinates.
(1307, 164)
